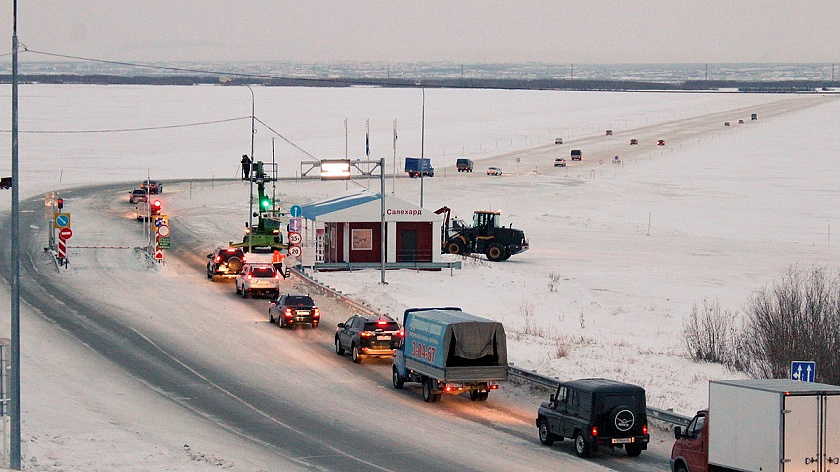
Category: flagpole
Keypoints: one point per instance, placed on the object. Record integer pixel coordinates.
(394, 187)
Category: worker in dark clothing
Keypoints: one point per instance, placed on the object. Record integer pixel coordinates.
(246, 167)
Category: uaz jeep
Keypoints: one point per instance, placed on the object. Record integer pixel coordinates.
(224, 262)
(596, 412)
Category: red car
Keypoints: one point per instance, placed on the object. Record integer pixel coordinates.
(661, 142)
(634, 141)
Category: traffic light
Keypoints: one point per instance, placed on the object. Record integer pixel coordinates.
(156, 206)
(265, 203)
(60, 204)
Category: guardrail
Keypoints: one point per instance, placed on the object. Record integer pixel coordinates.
(531, 376)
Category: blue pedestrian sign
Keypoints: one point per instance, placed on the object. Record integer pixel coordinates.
(804, 371)
(295, 211)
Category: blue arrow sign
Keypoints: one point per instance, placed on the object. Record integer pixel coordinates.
(62, 220)
(295, 211)
(804, 371)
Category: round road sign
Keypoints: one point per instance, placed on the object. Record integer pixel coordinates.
(294, 251)
(65, 233)
(62, 220)
(163, 230)
(295, 238)
(295, 211)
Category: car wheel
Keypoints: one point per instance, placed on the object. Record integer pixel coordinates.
(244, 292)
(495, 252)
(234, 264)
(209, 272)
(482, 396)
(354, 354)
(582, 448)
(680, 467)
(395, 377)
(473, 394)
(428, 396)
(270, 317)
(546, 438)
(338, 349)
(236, 288)
(633, 450)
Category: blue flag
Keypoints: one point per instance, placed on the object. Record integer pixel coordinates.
(367, 145)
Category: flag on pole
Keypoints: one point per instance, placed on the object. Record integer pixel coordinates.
(367, 138)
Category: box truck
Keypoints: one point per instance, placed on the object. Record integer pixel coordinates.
(417, 167)
(767, 425)
(449, 351)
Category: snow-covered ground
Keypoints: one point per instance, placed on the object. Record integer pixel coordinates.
(619, 253)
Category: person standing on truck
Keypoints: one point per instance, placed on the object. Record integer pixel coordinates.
(246, 167)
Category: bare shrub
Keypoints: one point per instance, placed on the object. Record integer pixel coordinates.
(553, 281)
(561, 350)
(711, 335)
(797, 319)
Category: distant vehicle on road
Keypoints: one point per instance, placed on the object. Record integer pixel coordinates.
(661, 142)
(725, 123)
(464, 165)
(419, 167)
(558, 140)
(753, 117)
(494, 171)
(559, 162)
(138, 195)
(368, 336)
(577, 155)
(224, 262)
(258, 278)
(153, 186)
(293, 309)
(609, 132)
(634, 142)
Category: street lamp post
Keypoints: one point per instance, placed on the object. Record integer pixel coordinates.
(422, 145)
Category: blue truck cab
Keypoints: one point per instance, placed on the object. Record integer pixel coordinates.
(447, 350)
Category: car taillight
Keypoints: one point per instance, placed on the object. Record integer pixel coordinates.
(594, 431)
(231, 250)
(381, 323)
(401, 333)
(218, 259)
(644, 429)
(249, 277)
(493, 386)
(448, 388)
(316, 312)
(288, 313)
(365, 334)
(277, 276)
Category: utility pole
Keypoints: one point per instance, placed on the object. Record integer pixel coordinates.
(14, 376)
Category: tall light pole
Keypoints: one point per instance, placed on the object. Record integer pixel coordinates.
(14, 375)
(422, 145)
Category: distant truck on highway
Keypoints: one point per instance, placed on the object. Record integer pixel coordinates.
(764, 425)
(464, 165)
(416, 167)
(450, 351)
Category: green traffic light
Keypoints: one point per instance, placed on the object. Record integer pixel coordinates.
(265, 203)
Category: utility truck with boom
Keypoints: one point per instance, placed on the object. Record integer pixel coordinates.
(766, 425)
(449, 351)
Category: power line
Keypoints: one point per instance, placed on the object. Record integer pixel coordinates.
(123, 130)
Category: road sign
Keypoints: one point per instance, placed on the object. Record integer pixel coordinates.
(295, 211)
(163, 231)
(295, 238)
(295, 224)
(804, 371)
(65, 233)
(164, 243)
(62, 220)
(160, 220)
(294, 251)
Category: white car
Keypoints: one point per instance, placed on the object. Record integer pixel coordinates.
(559, 162)
(494, 171)
(258, 278)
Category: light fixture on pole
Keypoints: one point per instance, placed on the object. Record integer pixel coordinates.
(225, 80)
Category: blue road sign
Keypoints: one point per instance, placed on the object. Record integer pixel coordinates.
(295, 211)
(295, 225)
(804, 371)
(62, 220)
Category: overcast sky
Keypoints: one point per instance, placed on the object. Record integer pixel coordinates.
(459, 31)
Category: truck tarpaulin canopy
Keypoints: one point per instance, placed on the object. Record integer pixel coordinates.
(474, 340)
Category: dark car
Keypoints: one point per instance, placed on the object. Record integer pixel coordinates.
(661, 142)
(292, 310)
(593, 413)
(224, 262)
(576, 154)
(634, 142)
(153, 186)
(464, 165)
(368, 336)
(138, 195)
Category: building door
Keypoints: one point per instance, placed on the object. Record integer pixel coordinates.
(407, 252)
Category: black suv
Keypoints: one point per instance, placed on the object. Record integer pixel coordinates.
(291, 310)
(368, 336)
(596, 412)
(224, 262)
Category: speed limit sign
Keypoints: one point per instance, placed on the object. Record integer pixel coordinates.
(294, 238)
(294, 251)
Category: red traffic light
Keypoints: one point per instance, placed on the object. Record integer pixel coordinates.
(60, 203)
(157, 203)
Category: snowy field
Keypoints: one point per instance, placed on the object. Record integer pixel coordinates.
(619, 253)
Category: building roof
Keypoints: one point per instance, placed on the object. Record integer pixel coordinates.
(331, 205)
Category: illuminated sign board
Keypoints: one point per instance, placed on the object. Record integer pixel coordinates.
(335, 169)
